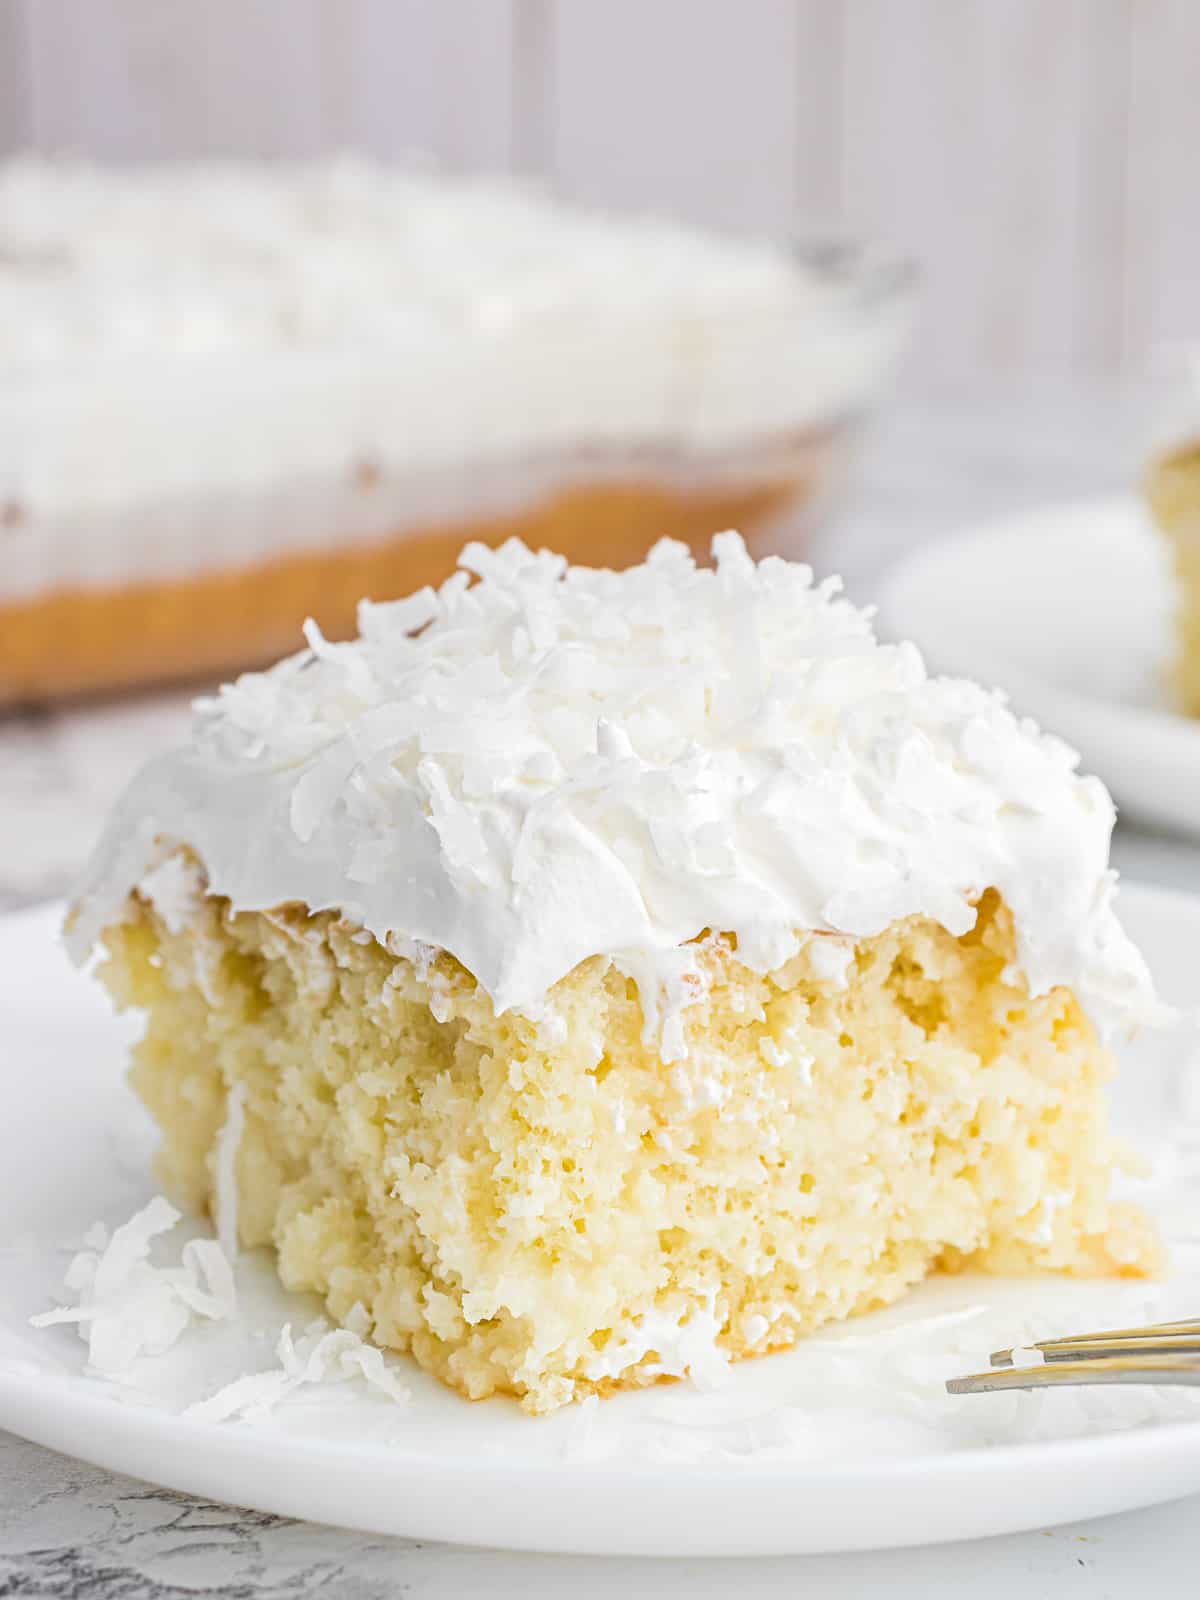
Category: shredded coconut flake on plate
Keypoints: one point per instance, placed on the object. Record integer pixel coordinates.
(320, 1356)
(127, 1307)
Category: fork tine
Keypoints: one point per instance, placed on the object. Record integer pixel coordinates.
(1152, 1368)
(1169, 1337)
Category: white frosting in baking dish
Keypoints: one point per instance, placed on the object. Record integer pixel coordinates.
(175, 333)
(556, 763)
(203, 261)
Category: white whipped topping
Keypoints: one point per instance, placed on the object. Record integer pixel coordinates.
(557, 763)
(175, 890)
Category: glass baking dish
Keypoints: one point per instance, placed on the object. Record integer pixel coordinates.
(178, 517)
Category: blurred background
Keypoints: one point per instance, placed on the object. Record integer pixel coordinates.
(1037, 163)
(1039, 159)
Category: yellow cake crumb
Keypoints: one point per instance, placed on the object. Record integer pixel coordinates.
(540, 1206)
(1173, 489)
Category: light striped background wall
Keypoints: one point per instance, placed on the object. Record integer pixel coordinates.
(1041, 155)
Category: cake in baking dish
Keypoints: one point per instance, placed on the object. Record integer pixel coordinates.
(233, 395)
(1173, 487)
(621, 974)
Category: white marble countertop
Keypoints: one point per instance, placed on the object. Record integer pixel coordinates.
(940, 462)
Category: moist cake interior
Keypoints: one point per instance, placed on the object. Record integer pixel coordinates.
(543, 1208)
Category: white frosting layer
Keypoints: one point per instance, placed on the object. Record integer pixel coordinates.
(558, 762)
(176, 331)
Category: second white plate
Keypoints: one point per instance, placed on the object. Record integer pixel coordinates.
(1067, 608)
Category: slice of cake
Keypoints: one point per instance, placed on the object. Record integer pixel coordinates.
(1173, 488)
(618, 974)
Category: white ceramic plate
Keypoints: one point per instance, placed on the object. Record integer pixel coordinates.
(849, 1442)
(1069, 609)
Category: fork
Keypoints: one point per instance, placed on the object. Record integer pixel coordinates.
(1165, 1352)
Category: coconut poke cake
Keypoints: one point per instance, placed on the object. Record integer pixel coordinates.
(1173, 488)
(612, 975)
(233, 395)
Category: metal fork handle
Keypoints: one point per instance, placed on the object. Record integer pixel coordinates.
(1144, 1368)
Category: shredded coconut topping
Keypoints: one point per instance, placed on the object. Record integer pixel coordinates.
(320, 1355)
(127, 1307)
(679, 1344)
(1027, 1356)
(554, 763)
